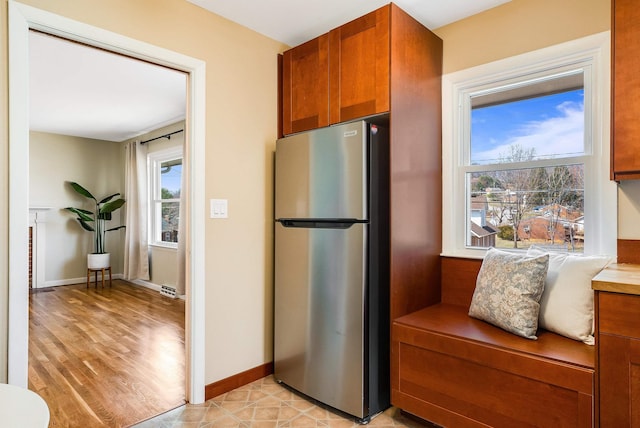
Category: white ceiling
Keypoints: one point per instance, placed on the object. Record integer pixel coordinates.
(82, 91)
(86, 92)
(296, 21)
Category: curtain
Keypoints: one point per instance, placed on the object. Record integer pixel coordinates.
(136, 248)
(183, 232)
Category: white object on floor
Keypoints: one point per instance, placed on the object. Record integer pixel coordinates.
(22, 408)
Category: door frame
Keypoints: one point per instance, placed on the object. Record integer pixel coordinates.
(23, 18)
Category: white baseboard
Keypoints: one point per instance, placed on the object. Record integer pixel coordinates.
(82, 280)
(146, 284)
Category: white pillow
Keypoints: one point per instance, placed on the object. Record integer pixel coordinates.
(566, 306)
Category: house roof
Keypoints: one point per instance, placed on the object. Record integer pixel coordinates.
(479, 231)
(479, 202)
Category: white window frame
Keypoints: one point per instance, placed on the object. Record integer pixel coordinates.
(591, 53)
(154, 162)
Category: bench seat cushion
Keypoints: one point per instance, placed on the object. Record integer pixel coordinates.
(454, 370)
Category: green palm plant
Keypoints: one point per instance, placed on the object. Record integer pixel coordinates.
(94, 221)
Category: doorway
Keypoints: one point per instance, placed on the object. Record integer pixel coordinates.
(23, 18)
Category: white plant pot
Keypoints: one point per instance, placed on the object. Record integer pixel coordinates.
(98, 261)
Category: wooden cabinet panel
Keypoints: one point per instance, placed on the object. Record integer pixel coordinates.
(305, 87)
(619, 314)
(359, 67)
(613, 375)
(416, 163)
(634, 380)
(619, 381)
(618, 342)
(625, 141)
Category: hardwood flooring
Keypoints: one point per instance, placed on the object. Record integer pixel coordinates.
(106, 357)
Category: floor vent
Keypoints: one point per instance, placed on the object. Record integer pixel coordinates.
(168, 291)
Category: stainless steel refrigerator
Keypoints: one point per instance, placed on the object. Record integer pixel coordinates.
(331, 327)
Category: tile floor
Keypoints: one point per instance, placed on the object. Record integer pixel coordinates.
(266, 404)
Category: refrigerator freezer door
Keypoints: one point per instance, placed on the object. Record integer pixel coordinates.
(319, 311)
(323, 173)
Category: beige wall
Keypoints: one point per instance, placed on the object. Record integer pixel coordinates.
(241, 94)
(96, 165)
(163, 265)
(520, 26)
(629, 210)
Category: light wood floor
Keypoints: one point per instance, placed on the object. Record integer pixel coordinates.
(267, 404)
(106, 357)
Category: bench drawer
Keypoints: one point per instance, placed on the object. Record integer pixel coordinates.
(456, 371)
(470, 391)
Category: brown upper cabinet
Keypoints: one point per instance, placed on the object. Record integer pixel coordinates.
(305, 89)
(339, 76)
(625, 141)
(359, 67)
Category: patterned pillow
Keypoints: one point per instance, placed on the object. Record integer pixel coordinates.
(508, 291)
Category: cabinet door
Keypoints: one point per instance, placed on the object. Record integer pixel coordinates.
(618, 359)
(305, 86)
(613, 354)
(626, 90)
(619, 381)
(359, 67)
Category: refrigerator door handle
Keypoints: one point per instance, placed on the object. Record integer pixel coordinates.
(320, 224)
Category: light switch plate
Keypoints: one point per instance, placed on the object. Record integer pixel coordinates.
(219, 208)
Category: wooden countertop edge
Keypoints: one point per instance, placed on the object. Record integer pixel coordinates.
(618, 278)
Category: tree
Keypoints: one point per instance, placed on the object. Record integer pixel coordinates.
(485, 182)
(539, 194)
(517, 183)
(505, 232)
(565, 192)
(168, 194)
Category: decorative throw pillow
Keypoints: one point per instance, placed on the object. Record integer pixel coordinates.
(508, 289)
(566, 306)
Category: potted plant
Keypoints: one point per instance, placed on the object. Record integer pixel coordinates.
(95, 221)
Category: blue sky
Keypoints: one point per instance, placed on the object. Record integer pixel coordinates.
(553, 125)
(171, 179)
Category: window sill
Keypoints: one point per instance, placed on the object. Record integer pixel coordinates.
(464, 254)
(164, 246)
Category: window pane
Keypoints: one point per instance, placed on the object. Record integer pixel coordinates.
(542, 127)
(170, 221)
(170, 176)
(523, 207)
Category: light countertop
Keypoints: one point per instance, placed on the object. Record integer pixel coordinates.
(618, 278)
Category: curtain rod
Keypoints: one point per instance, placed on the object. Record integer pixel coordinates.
(167, 136)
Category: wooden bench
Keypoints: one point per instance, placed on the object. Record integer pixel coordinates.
(457, 371)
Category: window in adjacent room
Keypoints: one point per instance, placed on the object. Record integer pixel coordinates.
(165, 186)
(527, 163)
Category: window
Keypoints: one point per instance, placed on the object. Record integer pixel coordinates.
(165, 180)
(527, 156)
(525, 172)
